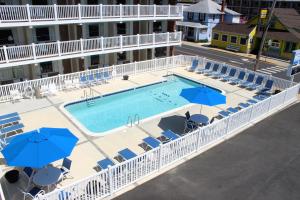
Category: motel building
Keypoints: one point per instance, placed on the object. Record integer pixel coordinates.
(45, 38)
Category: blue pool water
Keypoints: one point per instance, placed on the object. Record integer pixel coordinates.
(112, 111)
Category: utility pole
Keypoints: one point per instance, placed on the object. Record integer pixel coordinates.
(263, 38)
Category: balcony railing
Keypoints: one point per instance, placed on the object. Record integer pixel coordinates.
(28, 15)
(35, 53)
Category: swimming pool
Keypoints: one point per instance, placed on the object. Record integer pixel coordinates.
(112, 111)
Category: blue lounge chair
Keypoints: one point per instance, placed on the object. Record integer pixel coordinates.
(105, 163)
(194, 66)
(252, 101)
(221, 73)
(232, 110)
(152, 142)
(127, 154)
(9, 120)
(91, 79)
(106, 75)
(244, 105)
(170, 134)
(257, 83)
(248, 81)
(260, 97)
(206, 68)
(12, 128)
(268, 87)
(239, 79)
(9, 115)
(224, 113)
(83, 81)
(99, 77)
(230, 75)
(214, 69)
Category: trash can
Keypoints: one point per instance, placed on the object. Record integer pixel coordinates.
(125, 77)
(12, 176)
(37, 93)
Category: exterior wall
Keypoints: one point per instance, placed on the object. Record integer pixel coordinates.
(232, 19)
(241, 48)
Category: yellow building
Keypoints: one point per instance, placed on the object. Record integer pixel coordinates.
(283, 35)
(234, 37)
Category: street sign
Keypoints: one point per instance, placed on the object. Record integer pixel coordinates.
(294, 67)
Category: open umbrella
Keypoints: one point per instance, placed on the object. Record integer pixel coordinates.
(203, 95)
(40, 147)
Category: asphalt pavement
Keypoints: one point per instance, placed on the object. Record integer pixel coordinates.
(236, 60)
(261, 163)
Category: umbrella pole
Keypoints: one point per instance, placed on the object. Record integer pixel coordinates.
(201, 109)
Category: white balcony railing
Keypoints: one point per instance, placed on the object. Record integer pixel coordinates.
(35, 53)
(28, 15)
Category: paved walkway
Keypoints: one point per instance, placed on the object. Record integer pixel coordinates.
(261, 163)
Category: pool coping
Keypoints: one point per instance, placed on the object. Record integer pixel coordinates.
(86, 131)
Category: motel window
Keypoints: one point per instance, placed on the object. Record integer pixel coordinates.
(233, 39)
(201, 17)
(95, 60)
(216, 36)
(94, 30)
(243, 41)
(46, 67)
(121, 28)
(224, 38)
(190, 16)
(42, 34)
(289, 47)
(214, 17)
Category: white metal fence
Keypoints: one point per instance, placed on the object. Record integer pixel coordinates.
(113, 179)
(57, 14)
(17, 55)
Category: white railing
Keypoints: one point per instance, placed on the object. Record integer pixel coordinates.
(35, 53)
(29, 15)
(113, 179)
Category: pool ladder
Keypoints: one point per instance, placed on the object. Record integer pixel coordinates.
(133, 121)
(89, 98)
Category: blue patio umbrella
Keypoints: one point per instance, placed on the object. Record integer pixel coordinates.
(40, 147)
(203, 95)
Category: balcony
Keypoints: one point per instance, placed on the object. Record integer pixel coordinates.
(28, 15)
(42, 52)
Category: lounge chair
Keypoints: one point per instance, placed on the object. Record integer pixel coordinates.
(170, 134)
(252, 101)
(105, 163)
(12, 128)
(231, 74)
(52, 89)
(91, 79)
(83, 81)
(28, 172)
(232, 110)
(68, 84)
(244, 105)
(248, 81)
(189, 125)
(213, 69)
(99, 77)
(257, 83)
(267, 88)
(66, 167)
(239, 79)
(152, 142)
(193, 66)
(15, 95)
(33, 192)
(9, 121)
(224, 113)
(106, 76)
(127, 154)
(260, 97)
(221, 73)
(206, 68)
(14, 114)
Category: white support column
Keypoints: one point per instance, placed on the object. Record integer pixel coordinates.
(138, 11)
(154, 10)
(101, 11)
(102, 46)
(79, 11)
(160, 157)
(121, 11)
(153, 38)
(121, 42)
(138, 39)
(110, 178)
(55, 12)
(33, 51)
(58, 47)
(168, 37)
(169, 12)
(28, 12)
(5, 54)
(81, 45)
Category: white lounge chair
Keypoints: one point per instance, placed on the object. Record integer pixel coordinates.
(15, 95)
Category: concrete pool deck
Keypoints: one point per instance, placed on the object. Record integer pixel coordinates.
(45, 112)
